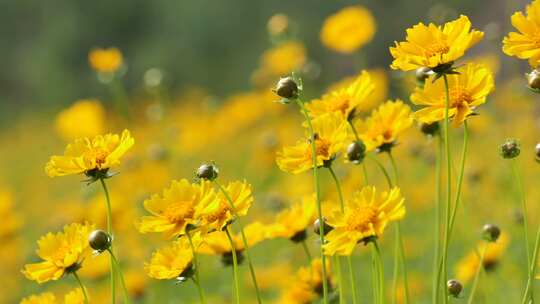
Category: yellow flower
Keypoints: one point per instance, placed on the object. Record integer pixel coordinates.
(217, 213)
(172, 211)
(348, 30)
(380, 81)
(61, 253)
(344, 100)
(385, 124)
(307, 286)
(170, 262)
(84, 155)
(217, 243)
(467, 266)
(432, 45)
(85, 118)
(284, 58)
(11, 221)
(294, 221)
(366, 215)
(105, 60)
(331, 136)
(75, 296)
(43, 298)
(525, 44)
(468, 90)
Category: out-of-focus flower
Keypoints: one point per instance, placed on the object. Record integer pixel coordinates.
(107, 60)
(467, 90)
(172, 261)
(284, 58)
(75, 296)
(84, 155)
(432, 46)
(307, 285)
(294, 220)
(385, 124)
(61, 253)
(85, 118)
(365, 216)
(348, 30)
(524, 45)
(278, 24)
(42, 298)
(331, 136)
(11, 221)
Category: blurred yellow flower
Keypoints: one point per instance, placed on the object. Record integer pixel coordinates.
(107, 60)
(468, 90)
(42, 298)
(170, 262)
(380, 81)
(348, 30)
(85, 118)
(384, 125)
(344, 100)
(331, 136)
(432, 45)
(84, 155)
(217, 243)
(525, 44)
(11, 221)
(284, 58)
(75, 296)
(293, 221)
(62, 253)
(172, 211)
(307, 285)
(366, 215)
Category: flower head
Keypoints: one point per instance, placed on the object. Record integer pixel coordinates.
(525, 44)
(173, 210)
(170, 262)
(85, 155)
(294, 220)
(432, 46)
(42, 298)
(85, 118)
(365, 216)
(348, 30)
(307, 286)
(75, 296)
(344, 100)
(385, 124)
(61, 253)
(467, 90)
(107, 60)
(217, 243)
(331, 137)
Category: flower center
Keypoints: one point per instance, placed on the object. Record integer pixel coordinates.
(459, 96)
(100, 157)
(218, 214)
(438, 48)
(322, 147)
(360, 219)
(178, 212)
(387, 135)
(340, 104)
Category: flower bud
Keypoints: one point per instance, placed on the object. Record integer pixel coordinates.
(510, 149)
(299, 236)
(491, 232)
(287, 88)
(430, 129)
(207, 171)
(537, 152)
(422, 74)
(454, 288)
(317, 227)
(99, 240)
(533, 79)
(356, 152)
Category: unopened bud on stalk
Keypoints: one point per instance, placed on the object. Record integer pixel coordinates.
(510, 149)
(208, 172)
(537, 152)
(454, 288)
(287, 88)
(99, 240)
(422, 74)
(317, 227)
(429, 129)
(491, 232)
(356, 152)
(533, 79)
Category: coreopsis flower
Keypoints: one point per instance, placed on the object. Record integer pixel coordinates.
(42, 298)
(11, 221)
(75, 296)
(434, 46)
(344, 100)
(331, 137)
(217, 213)
(381, 129)
(90, 155)
(292, 222)
(107, 60)
(348, 30)
(307, 286)
(173, 210)
(85, 118)
(172, 261)
(467, 267)
(284, 58)
(61, 253)
(524, 43)
(366, 215)
(468, 90)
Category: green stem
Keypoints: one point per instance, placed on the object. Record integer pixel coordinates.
(460, 178)
(375, 276)
(383, 170)
(244, 240)
(353, 279)
(532, 269)
(448, 186)
(110, 232)
(318, 198)
(477, 275)
(197, 279)
(120, 97)
(85, 295)
(306, 251)
(519, 184)
(438, 223)
(340, 280)
(380, 269)
(235, 266)
(118, 270)
(354, 130)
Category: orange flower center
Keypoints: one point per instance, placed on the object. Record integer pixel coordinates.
(340, 104)
(387, 135)
(100, 157)
(459, 96)
(218, 214)
(322, 147)
(438, 48)
(361, 218)
(179, 212)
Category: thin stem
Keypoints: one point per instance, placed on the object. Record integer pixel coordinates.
(85, 295)
(235, 266)
(244, 240)
(383, 170)
(448, 185)
(532, 269)
(306, 251)
(365, 173)
(352, 278)
(196, 261)
(519, 184)
(110, 232)
(318, 198)
(118, 270)
(340, 280)
(380, 268)
(354, 130)
(460, 178)
(477, 275)
(375, 276)
(438, 222)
